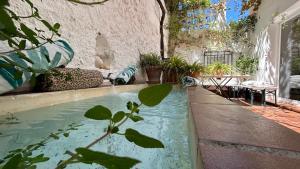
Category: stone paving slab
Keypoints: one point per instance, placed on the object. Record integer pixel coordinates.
(198, 90)
(224, 158)
(206, 97)
(230, 124)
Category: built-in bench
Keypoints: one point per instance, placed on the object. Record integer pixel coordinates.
(231, 137)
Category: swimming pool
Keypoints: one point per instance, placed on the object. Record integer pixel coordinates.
(167, 122)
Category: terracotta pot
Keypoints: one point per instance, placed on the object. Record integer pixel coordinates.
(154, 74)
(219, 73)
(170, 76)
(195, 74)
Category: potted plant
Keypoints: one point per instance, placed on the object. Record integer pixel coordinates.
(173, 68)
(153, 66)
(218, 69)
(194, 70)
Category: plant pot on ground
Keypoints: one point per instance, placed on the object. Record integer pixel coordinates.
(194, 70)
(174, 68)
(153, 67)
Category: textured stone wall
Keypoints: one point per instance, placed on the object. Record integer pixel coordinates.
(114, 32)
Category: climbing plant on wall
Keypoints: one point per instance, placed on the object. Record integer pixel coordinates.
(237, 32)
(18, 36)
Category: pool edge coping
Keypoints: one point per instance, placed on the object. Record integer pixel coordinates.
(24, 102)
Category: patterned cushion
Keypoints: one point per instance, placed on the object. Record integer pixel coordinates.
(68, 79)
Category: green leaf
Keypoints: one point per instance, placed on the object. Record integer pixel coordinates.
(118, 116)
(29, 33)
(38, 159)
(13, 162)
(115, 130)
(22, 44)
(99, 113)
(56, 26)
(129, 105)
(55, 136)
(106, 160)
(47, 24)
(142, 140)
(66, 134)
(6, 23)
(53, 28)
(152, 96)
(4, 3)
(134, 117)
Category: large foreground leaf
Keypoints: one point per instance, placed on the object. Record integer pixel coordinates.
(13, 162)
(106, 160)
(99, 113)
(152, 96)
(142, 140)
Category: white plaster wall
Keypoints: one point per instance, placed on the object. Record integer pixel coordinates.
(130, 26)
(266, 38)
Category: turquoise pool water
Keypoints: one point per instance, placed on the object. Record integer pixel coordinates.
(167, 122)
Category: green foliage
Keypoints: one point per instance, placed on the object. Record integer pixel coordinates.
(241, 29)
(13, 162)
(246, 64)
(175, 63)
(197, 3)
(295, 65)
(15, 32)
(218, 69)
(153, 95)
(109, 161)
(194, 68)
(24, 159)
(99, 113)
(118, 117)
(247, 4)
(142, 140)
(150, 60)
(134, 118)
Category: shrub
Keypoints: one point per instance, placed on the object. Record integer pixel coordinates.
(150, 60)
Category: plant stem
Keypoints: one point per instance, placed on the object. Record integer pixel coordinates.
(63, 164)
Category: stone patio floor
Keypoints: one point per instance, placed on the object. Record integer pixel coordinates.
(229, 136)
(285, 117)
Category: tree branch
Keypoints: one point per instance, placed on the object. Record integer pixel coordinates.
(161, 24)
(88, 3)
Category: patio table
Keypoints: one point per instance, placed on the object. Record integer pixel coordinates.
(224, 80)
(263, 89)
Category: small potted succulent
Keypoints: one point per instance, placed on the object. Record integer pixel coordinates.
(153, 66)
(218, 69)
(173, 69)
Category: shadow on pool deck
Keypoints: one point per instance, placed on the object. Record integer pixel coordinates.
(232, 137)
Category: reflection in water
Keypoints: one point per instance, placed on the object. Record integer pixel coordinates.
(290, 60)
